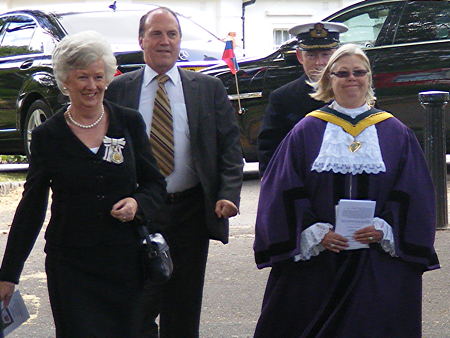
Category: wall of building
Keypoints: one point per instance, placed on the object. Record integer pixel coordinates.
(224, 16)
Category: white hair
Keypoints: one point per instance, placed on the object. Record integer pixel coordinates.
(78, 51)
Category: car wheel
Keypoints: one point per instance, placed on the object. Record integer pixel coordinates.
(38, 112)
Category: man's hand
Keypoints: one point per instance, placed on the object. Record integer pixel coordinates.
(225, 209)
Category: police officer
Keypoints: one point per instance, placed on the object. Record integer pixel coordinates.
(288, 104)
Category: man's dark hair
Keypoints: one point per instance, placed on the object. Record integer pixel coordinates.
(145, 16)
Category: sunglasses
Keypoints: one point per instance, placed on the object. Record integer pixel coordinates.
(345, 73)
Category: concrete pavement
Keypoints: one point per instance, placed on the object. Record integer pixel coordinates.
(234, 287)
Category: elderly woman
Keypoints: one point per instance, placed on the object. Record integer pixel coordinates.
(320, 285)
(96, 158)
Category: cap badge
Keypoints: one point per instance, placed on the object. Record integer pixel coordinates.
(318, 31)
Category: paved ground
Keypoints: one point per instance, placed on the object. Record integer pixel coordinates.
(234, 287)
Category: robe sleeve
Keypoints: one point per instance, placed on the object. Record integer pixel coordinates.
(284, 208)
(410, 209)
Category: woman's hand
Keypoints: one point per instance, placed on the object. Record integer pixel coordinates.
(6, 291)
(125, 209)
(334, 242)
(368, 235)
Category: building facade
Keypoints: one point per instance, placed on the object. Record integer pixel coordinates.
(261, 27)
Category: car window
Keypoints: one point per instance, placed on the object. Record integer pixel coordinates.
(2, 29)
(365, 24)
(424, 21)
(17, 35)
(106, 24)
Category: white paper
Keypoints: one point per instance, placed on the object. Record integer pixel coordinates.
(15, 314)
(352, 215)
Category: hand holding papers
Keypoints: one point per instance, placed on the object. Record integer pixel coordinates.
(15, 314)
(352, 215)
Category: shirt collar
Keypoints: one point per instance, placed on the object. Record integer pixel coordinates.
(150, 74)
(352, 112)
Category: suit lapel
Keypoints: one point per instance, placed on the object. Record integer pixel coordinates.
(133, 87)
(67, 139)
(116, 124)
(191, 99)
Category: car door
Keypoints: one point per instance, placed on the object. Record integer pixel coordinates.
(408, 45)
(16, 56)
(418, 60)
(372, 27)
(256, 82)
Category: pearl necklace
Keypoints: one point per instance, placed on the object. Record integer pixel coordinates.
(84, 126)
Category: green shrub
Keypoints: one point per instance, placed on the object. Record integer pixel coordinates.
(13, 159)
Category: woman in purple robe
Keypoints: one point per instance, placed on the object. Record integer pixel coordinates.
(323, 284)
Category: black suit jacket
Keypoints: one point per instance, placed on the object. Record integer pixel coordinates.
(84, 189)
(214, 135)
(287, 105)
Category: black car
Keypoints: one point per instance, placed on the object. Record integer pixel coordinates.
(407, 42)
(28, 91)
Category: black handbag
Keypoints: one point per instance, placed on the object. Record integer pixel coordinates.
(158, 263)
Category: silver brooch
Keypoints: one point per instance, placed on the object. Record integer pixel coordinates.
(113, 149)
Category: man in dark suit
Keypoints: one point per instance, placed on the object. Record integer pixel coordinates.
(288, 104)
(205, 182)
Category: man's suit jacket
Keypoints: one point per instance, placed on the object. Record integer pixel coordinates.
(214, 135)
(287, 105)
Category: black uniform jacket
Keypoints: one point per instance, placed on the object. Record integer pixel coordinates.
(287, 105)
(84, 189)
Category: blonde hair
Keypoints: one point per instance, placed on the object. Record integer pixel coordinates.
(78, 51)
(324, 91)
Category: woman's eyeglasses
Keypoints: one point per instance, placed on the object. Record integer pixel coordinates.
(345, 73)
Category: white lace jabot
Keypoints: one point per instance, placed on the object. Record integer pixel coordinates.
(335, 156)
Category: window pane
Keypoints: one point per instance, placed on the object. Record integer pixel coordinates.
(364, 25)
(424, 21)
(106, 24)
(18, 34)
(280, 36)
(2, 29)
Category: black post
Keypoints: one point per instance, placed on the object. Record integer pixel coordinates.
(435, 153)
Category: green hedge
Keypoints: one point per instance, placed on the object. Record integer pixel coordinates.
(13, 159)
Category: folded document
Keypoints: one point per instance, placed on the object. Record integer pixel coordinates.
(15, 314)
(352, 215)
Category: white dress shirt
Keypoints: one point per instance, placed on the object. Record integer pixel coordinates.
(183, 177)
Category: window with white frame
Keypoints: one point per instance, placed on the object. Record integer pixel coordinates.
(280, 35)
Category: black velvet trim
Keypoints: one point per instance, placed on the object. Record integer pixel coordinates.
(338, 187)
(289, 197)
(409, 248)
(362, 187)
(330, 315)
(347, 118)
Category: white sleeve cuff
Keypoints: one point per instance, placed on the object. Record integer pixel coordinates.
(310, 241)
(387, 242)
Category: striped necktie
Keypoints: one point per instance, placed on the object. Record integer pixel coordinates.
(161, 134)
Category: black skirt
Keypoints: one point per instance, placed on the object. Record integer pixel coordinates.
(95, 291)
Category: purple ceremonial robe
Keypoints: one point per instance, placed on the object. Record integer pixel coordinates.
(355, 293)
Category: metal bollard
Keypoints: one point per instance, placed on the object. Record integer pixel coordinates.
(435, 152)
